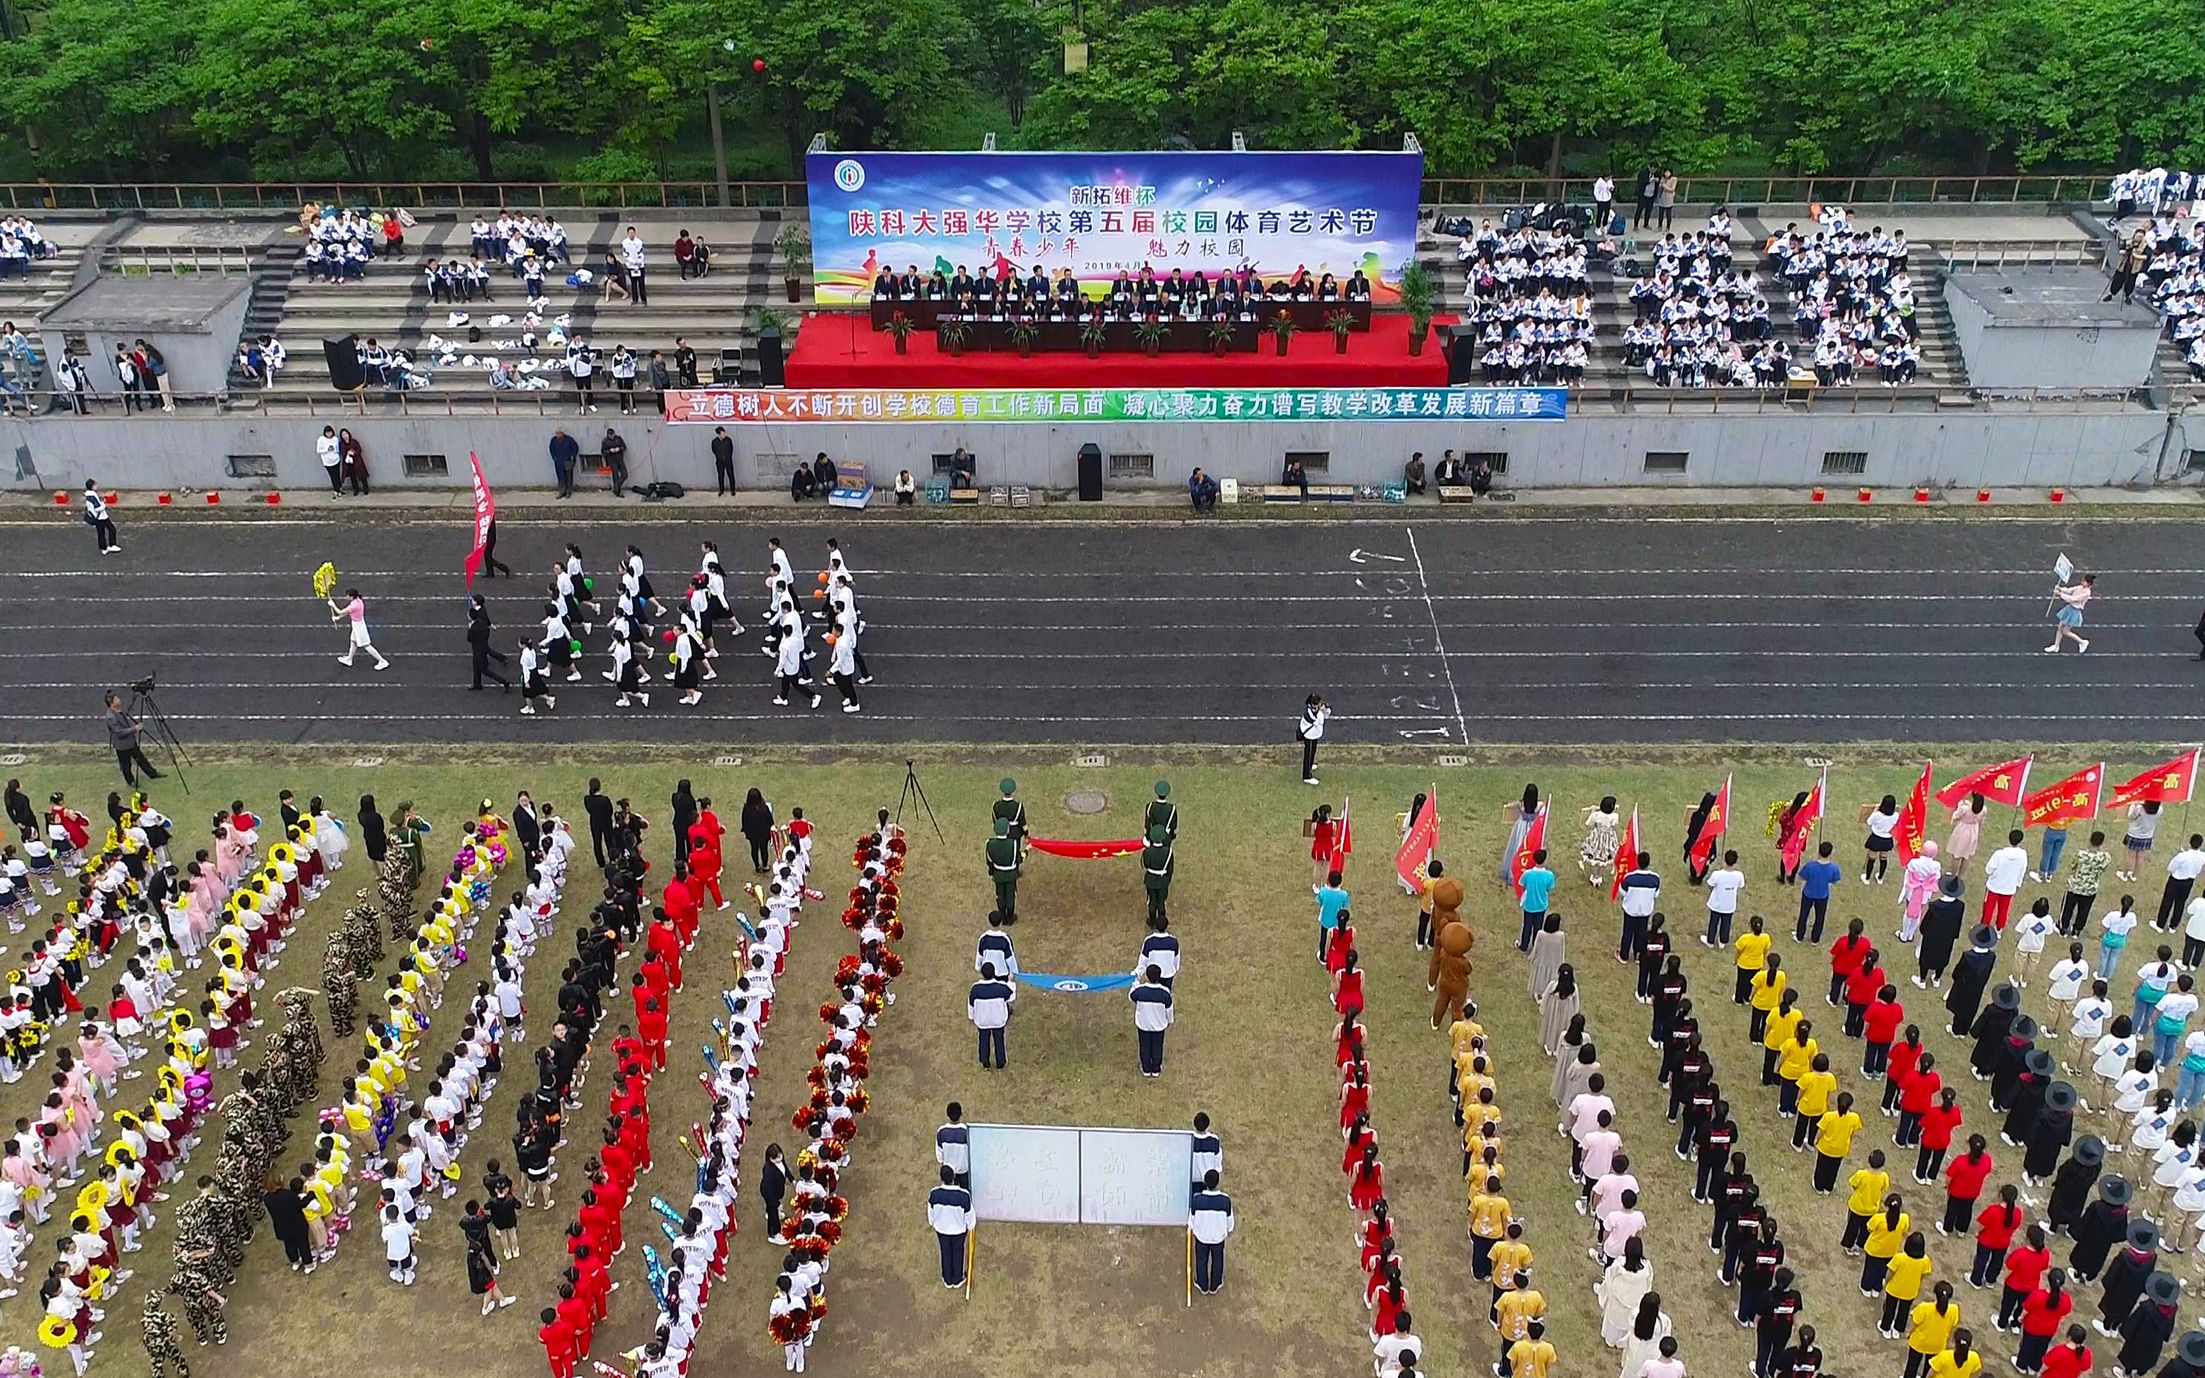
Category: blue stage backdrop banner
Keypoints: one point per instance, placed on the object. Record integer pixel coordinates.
(1100, 214)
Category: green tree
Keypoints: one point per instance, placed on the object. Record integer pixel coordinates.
(102, 89)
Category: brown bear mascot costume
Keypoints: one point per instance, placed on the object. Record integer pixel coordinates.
(1450, 966)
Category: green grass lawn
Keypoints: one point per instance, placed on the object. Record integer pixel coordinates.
(1252, 1046)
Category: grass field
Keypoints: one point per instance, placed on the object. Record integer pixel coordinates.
(1251, 1046)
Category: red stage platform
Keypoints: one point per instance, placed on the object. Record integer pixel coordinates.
(842, 350)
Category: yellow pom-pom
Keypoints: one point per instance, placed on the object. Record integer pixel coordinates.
(56, 1333)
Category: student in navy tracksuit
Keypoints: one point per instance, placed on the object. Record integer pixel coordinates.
(1151, 1016)
(949, 1213)
(988, 1006)
(1208, 1156)
(953, 1145)
(1210, 1220)
(1160, 950)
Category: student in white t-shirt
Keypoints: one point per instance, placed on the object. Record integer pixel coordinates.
(398, 1234)
(1723, 887)
(2030, 934)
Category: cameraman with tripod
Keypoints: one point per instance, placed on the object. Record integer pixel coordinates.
(123, 733)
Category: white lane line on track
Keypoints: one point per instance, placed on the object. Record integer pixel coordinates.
(1299, 655)
(2192, 720)
(106, 575)
(1394, 685)
(1439, 642)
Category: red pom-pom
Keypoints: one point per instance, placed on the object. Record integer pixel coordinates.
(830, 1233)
(758, 64)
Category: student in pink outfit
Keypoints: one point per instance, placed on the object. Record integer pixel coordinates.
(354, 609)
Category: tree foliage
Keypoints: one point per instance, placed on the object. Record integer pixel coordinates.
(91, 90)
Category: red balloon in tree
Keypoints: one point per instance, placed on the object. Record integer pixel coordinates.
(757, 64)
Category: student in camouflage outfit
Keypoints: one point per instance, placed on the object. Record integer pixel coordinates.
(203, 1302)
(341, 987)
(160, 1340)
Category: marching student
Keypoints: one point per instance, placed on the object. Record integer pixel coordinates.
(100, 519)
(1152, 1015)
(1210, 1220)
(843, 665)
(355, 608)
(949, 1214)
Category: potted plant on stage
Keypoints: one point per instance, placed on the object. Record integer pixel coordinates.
(1024, 331)
(1282, 330)
(951, 335)
(899, 330)
(1417, 291)
(1092, 334)
(795, 244)
(1149, 334)
(1339, 323)
(1221, 336)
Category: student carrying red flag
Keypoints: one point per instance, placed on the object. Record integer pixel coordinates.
(2004, 783)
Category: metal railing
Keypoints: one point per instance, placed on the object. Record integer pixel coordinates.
(489, 196)
(1451, 191)
(1732, 191)
(1971, 255)
(141, 260)
(1626, 395)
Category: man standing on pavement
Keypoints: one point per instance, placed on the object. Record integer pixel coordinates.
(614, 451)
(123, 733)
(564, 454)
(723, 460)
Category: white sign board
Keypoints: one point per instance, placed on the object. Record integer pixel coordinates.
(1055, 1175)
(1025, 1172)
(1135, 1176)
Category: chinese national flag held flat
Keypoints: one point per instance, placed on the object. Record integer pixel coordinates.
(2003, 783)
(2069, 801)
(1913, 819)
(1626, 855)
(1418, 844)
(1535, 837)
(2170, 782)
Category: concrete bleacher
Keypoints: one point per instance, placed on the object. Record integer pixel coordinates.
(392, 305)
(24, 297)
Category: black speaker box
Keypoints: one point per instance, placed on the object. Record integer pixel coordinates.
(343, 354)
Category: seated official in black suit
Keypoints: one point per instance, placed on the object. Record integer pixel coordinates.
(911, 284)
(1214, 308)
(1327, 288)
(1037, 283)
(967, 305)
(1068, 287)
(960, 286)
(886, 288)
(937, 286)
(1121, 289)
(1281, 289)
(1302, 289)
(1358, 287)
(1199, 284)
(1175, 287)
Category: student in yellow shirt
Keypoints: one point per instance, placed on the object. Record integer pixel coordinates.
(1511, 1259)
(1960, 1361)
(1816, 1086)
(1887, 1229)
(1489, 1216)
(1464, 1030)
(1515, 1313)
(1902, 1283)
(1530, 1357)
(1777, 1032)
(1751, 950)
(1489, 1164)
(1763, 993)
(1793, 1059)
(1929, 1329)
(1834, 1133)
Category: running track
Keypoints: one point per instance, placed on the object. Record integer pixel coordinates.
(1540, 630)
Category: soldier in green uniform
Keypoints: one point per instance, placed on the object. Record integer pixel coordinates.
(1010, 811)
(1156, 864)
(1003, 865)
(1162, 813)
